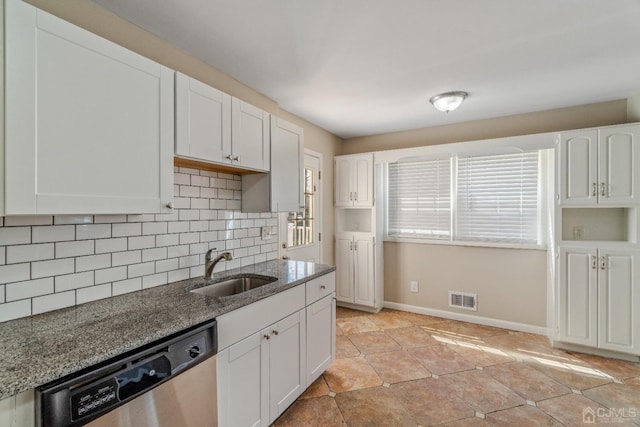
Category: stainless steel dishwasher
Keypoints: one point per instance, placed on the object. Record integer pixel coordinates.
(171, 382)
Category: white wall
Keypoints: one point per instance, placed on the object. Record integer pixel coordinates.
(51, 262)
(633, 108)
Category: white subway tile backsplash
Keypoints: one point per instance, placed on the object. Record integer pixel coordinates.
(15, 310)
(49, 262)
(93, 231)
(15, 272)
(28, 289)
(15, 235)
(52, 268)
(126, 286)
(28, 253)
(53, 233)
(74, 281)
(54, 302)
(73, 249)
(93, 293)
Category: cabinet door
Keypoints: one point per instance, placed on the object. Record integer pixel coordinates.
(619, 300)
(89, 124)
(321, 336)
(364, 269)
(579, 167)
(363, 181)
(243, 383)
(578, 296)
(287, 358)
(203, 120)
(344, 268)
(250, 140)
(287, 163)
(618, 165)
(343, 181)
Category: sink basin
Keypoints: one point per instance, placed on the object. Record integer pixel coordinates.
(233, 285)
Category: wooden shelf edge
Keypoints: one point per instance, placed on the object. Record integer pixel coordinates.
(214, 167)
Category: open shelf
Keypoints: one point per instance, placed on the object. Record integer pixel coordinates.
(599, 224)
(354, 220)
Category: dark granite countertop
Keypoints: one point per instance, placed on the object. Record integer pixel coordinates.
(42, 348)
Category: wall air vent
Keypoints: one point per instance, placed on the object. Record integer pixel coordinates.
(463, 300)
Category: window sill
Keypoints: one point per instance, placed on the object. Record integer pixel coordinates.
(499, 245)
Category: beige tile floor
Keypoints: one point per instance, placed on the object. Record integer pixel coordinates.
(404, 369)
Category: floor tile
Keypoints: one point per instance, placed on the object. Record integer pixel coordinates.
(417, 319)
(617, 396)
(317, 389)
(410, 337)
(339, 331)
(480, 391)
(524, 346)
(574, 376)
(345, 348)
(373, 407)
(318, 411)
(356, 325)
(467, 422)
(480, 354)
(397, 366)
(521, 416)
(374, 342)
(568, 409)
(529, 383)
(635, 382)
(619, 369)
(389, 320)
(465, 330)
(342, 313)
(440, 360)
(431, 401)
(351, 374)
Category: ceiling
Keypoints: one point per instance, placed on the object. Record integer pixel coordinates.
(360, 67)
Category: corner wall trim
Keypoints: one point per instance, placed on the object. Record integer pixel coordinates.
(487, 321)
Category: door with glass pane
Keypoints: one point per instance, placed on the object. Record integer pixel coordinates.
(300, 231)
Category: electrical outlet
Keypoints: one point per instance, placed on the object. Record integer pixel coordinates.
(414, 286)
(578, 233)
(265, 233)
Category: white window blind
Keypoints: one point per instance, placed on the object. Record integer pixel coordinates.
(419, 199)
(497, 198)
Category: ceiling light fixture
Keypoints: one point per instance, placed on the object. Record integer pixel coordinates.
(448, 101)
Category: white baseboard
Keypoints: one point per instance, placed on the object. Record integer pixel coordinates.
(487, 321)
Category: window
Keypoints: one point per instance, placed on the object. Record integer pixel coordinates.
(485, 198)
(300, 225)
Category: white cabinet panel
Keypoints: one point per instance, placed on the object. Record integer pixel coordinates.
(249, 136)
(579, 167)
(203, 120)
(343, 186)
(355, 268)
(354, 180)
(321, 336)
(363, 277)
(89, 124)
(363, 181)
(619, 300)
(344, 268)
(618, 163)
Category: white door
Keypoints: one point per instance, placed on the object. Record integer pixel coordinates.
(619, 300)
(579, 167)
(321, 336)
(301, 232)
(343, 167)
(250, 136)
(578, 296)
(363, 181)
(243, 383)
(203, 120)
(619, 164)
(344, 268)
(287, 355)
(363, 270)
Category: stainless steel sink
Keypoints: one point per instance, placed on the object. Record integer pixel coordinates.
(233, 285)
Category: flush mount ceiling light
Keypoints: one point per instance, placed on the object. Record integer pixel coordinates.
(448, 101)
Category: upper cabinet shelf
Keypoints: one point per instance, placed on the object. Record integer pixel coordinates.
(214, 127)
(600, 166)
(88, 123)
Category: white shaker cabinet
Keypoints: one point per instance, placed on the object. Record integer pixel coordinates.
(354, 180)
(355, 265)
(321, 325)
(88, 123)
(600, 166)
(203, 120)
(599, 298)
(250, 141)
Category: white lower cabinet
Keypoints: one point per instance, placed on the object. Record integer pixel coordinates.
(321, 340)
(18, 410)
(356, 268)
(599, 298)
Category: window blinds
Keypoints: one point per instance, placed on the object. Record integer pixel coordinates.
(497, 198)
(419, 199)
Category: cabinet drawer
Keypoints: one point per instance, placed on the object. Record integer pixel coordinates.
(320, 287)
(240, 323)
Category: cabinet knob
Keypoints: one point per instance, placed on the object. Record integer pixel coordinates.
(603, 189)
(169, 205)
(267, 336)
(603, 263)
(594, 262)
(323, 287)
(274, 332)
(236, 158)
(594, 189)
(285, 257)
(228, 157)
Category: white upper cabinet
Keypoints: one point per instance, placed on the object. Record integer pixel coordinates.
(203, 120)
(89, 124)
(600, 167)
(354, 180)
(250, 142)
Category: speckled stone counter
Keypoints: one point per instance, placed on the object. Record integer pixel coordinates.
(39, 349)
